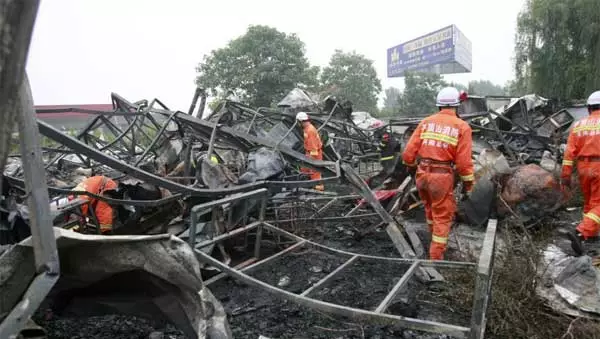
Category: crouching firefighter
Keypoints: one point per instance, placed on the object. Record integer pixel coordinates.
(440, 145)
(583, 148)
(313, 147)
(389, 158)
(98, 185)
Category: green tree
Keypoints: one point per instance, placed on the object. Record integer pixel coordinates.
(458, 86)
(391, 102)
(512, 88)
(392, 98)
(260, 67)
(352, 76)
(485, 87)
(420, 91)
(557, 49)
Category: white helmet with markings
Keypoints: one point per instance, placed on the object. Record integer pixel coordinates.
(594, 99)
(301, 116)
(448, 97)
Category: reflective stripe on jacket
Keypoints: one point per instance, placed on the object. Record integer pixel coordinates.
(442, 137)
(583, 141)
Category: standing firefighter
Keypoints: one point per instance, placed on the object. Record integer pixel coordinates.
(440, 143)
(583, 147)
(313, 147)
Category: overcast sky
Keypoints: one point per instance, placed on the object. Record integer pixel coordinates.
(82, 50)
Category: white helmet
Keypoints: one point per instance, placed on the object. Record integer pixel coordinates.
(301, 116)
(448, 97)
(594, 99)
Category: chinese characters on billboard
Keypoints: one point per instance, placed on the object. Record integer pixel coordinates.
(422, 53)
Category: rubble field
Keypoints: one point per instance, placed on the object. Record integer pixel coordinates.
(253, 312)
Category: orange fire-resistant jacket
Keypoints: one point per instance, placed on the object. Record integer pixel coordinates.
(313, 147)
(584, 141)
(97, 185)
(442, 137)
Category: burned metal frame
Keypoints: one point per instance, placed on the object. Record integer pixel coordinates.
(482, 287)
(16, 31)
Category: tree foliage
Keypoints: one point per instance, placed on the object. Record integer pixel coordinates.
(420, 91)
(392, 98)
(353, 76)
(485, 87)
(391, 102)
(557, 50)
(260, 67)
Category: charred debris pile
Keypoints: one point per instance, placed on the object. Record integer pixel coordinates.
(230, 185)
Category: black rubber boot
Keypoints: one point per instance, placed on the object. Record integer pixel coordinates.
(576, 241)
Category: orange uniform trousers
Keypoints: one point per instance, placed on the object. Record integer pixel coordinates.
(589, 181)
(435, 183)
(314, 175)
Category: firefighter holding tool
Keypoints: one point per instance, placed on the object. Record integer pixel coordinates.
(583, 151)
(313, 147)
(439, 146)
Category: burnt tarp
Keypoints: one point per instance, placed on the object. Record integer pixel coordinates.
(570, 285)
(147, 276)
(263, 164)
(299, 99)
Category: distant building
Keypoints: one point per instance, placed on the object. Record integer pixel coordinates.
(70, 120)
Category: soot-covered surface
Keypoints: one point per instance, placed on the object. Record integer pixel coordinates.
(302, 268)
(364, 284)
(107, 327)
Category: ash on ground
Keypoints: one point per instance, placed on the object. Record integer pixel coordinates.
(107, 327)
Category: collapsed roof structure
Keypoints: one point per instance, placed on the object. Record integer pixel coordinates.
(196, 179)
(164, 161)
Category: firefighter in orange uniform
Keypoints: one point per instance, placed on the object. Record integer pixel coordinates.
(98, 185)
(313, 147)
(583, 147)
(440, 144)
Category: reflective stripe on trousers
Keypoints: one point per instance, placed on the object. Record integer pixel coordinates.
(435, 183)
(589, 180)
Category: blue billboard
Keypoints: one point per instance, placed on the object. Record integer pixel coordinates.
(444, 51)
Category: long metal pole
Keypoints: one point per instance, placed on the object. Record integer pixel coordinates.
(16, 27)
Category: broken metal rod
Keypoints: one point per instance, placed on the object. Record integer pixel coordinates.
(328, 277)
(352, 313)
(326, 206)
(239, 266)
(370, 215)
(156, 138)
(194, 100)
(423, 262)
(275, 256)
(228, 235)
(400, 285)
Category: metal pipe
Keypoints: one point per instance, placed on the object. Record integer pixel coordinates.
(397, 288)
(328, 277)
(155, 140)
(202, 105)
(228, 235)
(423, 262)
(328, 117)
(353, 313)
(286, 134)
(194, 100)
